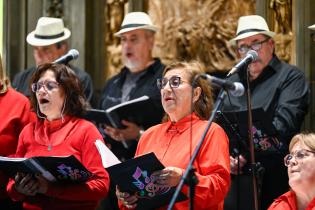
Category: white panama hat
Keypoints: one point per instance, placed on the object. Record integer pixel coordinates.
(312, 27)
(249, 26)
(136, 20)
(48, 31)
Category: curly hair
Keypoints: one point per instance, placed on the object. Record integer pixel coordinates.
(76, 103)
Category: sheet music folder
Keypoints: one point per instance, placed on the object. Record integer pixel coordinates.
(235, 124)
(134, 176)
(140, 111)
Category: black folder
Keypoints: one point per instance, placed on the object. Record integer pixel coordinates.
(235, 124)
(134, 176)
(141, 111)
(60, 169)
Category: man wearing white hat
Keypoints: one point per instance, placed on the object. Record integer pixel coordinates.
(49, 43)
(282, 92)
(137, 78)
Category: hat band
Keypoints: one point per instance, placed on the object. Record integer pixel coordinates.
(249, 30)
(131, 26)
(49, 37)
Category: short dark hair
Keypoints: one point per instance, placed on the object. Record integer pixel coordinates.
(75, 100)
(203, 106)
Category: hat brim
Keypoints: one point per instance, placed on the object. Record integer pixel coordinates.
(147, 27)
(32, 40)
(245, 35)
(312, 27)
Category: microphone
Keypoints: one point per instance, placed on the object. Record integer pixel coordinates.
(251, 56)
(235, 88)
(71, 55)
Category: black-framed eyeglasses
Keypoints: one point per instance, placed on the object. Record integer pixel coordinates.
(298, 155)
(174, 82)
(243, 49)
(48, 85)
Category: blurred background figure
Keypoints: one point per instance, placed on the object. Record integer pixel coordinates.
(301, 171)
(187, 110)
(49, 43)
(15, 113)
(57, 98)
(137, 78)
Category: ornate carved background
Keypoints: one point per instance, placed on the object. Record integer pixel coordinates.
(199, 30)
(281, 23)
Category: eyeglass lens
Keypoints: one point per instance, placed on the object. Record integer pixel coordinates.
(48, 85)
(255, 46)
(173, 81)
(299, 155)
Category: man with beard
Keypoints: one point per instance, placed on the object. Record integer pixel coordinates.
(137, 78)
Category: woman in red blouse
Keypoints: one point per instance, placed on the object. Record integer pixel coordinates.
(301, 171)
(187, 109)
(58, 100)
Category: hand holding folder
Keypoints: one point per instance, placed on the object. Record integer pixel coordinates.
(134, 176)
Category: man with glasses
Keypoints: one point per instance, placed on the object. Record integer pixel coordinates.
(49, 43)
(281, 91)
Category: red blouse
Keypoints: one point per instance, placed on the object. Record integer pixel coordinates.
(72, 136)
(173, 146)
(287, 201)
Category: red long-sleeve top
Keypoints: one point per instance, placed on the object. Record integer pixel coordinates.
(14, 115)
(73, 136)
(287, 201)
(172, 145)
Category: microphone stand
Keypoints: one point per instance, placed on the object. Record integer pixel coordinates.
(189, 174)
(254, 166)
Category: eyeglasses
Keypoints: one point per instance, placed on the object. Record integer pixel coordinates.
(48, 85)
(298, 155)
(255, 46)
(174, 82)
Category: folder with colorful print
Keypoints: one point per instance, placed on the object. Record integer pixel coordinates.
(62, 169)
(134, 176)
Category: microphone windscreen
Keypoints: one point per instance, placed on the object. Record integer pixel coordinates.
(253, 53)
(74, 53)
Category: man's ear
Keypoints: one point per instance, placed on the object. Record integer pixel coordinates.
(197, 92)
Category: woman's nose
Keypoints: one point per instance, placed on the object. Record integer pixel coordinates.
(41, 89)
(293, 161)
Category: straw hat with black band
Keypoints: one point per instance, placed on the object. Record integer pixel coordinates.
(48, 31)
(134, 21)
(249, 26)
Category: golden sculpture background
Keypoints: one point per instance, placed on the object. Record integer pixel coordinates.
(281, 23)
(199, 30)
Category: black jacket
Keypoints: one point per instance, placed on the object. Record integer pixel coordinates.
(146, 85)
